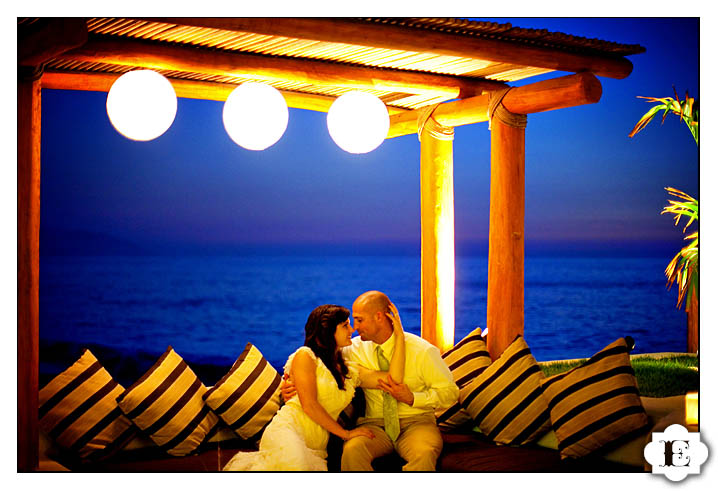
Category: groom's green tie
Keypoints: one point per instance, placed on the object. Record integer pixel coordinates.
(391, 413)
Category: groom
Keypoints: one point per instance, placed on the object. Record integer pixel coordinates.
(428, 385)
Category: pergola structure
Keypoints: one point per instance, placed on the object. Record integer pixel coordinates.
(433, 74)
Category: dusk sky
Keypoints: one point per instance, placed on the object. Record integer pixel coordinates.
(194, 189)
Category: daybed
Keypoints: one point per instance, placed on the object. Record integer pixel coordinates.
(603, 427)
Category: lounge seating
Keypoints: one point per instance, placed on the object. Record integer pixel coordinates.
(471, 439)
(464, 451)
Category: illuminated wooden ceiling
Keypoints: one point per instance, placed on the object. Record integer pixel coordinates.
(408, 63)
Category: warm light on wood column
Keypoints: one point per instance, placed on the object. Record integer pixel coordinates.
(437, 235)
(28, 269)
(505, 295)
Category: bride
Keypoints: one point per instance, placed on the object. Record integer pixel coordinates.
(297, 437)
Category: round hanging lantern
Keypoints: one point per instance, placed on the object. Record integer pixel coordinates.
(358, 122)
(141, 105)
(255, 115)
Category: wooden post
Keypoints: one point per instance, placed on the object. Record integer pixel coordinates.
(28, 267)
(505, 294)
(692, 321)
(437, 233)
(37, 43)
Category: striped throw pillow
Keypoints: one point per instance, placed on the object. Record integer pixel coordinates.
(466, 360)
(596, 405)
(78, 411)
(247, 397)
(505, 400)
(166, 403)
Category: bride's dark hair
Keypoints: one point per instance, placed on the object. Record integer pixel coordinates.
(319, 336)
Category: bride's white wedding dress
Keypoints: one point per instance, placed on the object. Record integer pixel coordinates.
(293, 441)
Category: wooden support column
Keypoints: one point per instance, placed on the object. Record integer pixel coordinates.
(692, 321)
(38, 42)
(505, 303)
(505, 295)
(28, 267)
(437, 232)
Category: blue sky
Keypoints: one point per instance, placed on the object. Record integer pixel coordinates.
(587, 183)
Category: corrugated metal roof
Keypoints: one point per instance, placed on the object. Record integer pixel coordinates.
(214, 39)
(507, 32)
(300, 48)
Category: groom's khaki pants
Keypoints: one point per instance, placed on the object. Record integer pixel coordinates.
(419, 443)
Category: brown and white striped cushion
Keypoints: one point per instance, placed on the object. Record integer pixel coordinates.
(505, 400)
(78, 410)
(466, 360)
(247, 397)
(166, 403)
(596, 405)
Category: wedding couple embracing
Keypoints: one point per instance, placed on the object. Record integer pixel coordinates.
(403, 377)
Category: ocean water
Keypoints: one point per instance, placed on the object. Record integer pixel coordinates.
(209, 308)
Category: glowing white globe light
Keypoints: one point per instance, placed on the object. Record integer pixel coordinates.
(255, 115)
(358, 122)
(141, 105)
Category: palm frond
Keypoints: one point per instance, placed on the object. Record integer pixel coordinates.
(687, 110)
(683, 268)
(687, 208)
(646, 118)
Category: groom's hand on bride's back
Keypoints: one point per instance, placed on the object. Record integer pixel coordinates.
(287, 388)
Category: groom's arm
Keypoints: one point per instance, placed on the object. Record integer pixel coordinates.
(440, 390)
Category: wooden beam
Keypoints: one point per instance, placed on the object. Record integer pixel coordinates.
(320, 73)
(190, 89)
(355, 31)
(47, 38)
(437, 239)
(547, 95)
(505, 290)
(28, 270)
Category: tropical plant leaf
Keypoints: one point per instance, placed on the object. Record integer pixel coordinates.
(687, 110)
(683, 268)
(643, 122)
(687, 208)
